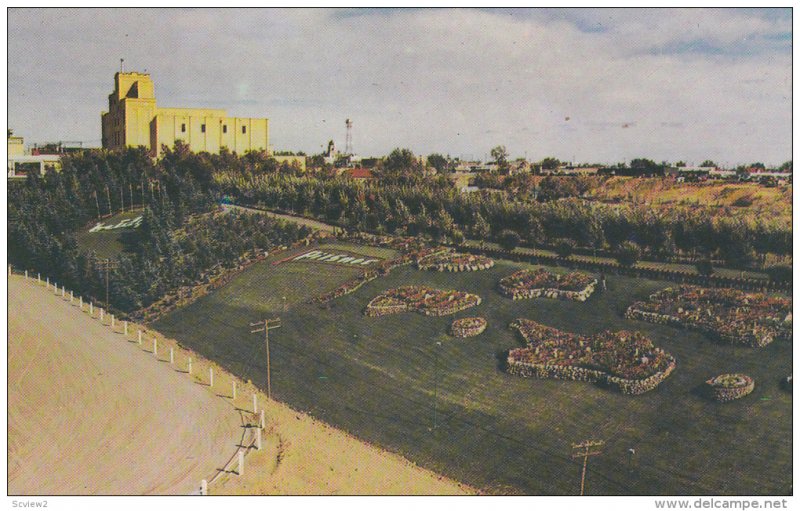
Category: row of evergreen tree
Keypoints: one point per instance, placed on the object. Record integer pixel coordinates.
(442, 212)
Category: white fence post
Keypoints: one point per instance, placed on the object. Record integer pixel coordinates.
(71, 297)
(258, 438)
(233, 386)
(81, 301)
(155, 347)
(263, 423)
(91, 309)
(101, 314)
(211, 376)
(241, 463)
(26, 274)
(140, 337)
(55, 288)
(125, 328)
(63, 291)
(203, 487)
(38, 278)
(9, 270)
(255, 403)
(112, 321)
(47, 283)
(171, 356)
(190, 366)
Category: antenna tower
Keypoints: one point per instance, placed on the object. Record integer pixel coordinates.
(348, 144)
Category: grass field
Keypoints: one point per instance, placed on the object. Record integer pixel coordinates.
(733, 197)
(383, 380)
(106, 243)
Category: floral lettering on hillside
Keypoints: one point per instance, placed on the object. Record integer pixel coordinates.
(130, 223)
(338, 258)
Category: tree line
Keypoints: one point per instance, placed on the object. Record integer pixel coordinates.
(427, 207)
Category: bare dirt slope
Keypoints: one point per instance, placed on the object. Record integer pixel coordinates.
(89, 413)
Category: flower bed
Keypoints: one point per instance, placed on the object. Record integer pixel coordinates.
(727, 387)
(427, 301)
(532, 284)
(468, 327)
(627, 361)
(726, 315)
(454, 261)
(412, 251)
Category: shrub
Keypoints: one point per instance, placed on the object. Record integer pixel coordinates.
(704, 267)
(628, 253)
(780, 273)
(457, 237)
(745, 201)
(509, 240)
(564, 247)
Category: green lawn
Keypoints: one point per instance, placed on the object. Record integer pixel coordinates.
(106, 243)
(378, 379)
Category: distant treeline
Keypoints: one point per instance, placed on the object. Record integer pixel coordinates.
(442, 212)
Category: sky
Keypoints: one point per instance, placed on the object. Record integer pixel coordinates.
(585, 85)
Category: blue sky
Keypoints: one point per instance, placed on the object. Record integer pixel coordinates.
(601, 85)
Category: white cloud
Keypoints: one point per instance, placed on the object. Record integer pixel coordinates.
(689, 84)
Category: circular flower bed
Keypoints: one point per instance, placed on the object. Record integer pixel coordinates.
(425, 300)
(454, 261)
(727, 387)
(468, 327)
(532, 284)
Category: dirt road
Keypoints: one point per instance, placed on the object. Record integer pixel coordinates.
(91, 413)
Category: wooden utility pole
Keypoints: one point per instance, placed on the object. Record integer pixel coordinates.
(107, 265)
(266, 325)
(584, 450)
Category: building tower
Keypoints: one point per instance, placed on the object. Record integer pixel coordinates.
(348, 143)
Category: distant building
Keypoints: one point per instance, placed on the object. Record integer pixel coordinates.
(133, 119)
(575, 170)
(292, 160)
(358, 174)
(21, 164)
(16, 145)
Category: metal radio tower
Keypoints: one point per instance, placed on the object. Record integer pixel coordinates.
(348, 141)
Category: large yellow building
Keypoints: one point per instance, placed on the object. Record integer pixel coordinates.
(133, 119)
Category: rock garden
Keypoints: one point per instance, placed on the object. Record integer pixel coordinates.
(468, 327)
(454, 261)
(523, 284)
(727, 387)
(425, 300)
(727, 315)
(626, 361)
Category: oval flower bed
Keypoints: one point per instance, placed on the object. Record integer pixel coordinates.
(454, 261)
(468, 327)
(627, 361)
(522, 284)
(727, 315)
(727, 387)
(425, 300)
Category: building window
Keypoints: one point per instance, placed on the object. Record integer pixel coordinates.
(202, 128)
(183, 128)
(244, 129)
(224, 128)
